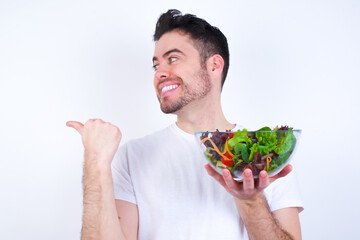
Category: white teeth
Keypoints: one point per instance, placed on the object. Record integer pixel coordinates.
(167, 88)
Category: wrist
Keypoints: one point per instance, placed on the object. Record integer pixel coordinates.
(254, 210)
(94, 155)
(96, 169)
(252, 202)
(97, 160)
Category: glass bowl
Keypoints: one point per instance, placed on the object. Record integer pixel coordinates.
(264, 149)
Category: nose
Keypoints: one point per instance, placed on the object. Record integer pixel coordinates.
(162, 73)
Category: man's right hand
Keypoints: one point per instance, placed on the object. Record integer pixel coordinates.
(100, 139)
(101, 218)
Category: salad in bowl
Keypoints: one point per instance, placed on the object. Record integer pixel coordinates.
(265, 149)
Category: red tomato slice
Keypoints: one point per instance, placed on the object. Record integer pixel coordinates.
(227, 162)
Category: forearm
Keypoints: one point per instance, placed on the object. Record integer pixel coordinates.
(258, 220)
(100, 220)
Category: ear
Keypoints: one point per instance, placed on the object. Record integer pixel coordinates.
(215, 66)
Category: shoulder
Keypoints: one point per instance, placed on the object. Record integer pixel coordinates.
(146, 143)
(138, 149)
(150, 139)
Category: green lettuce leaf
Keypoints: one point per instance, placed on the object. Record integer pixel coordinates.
(243, 149)
(239, 137)
(267, 142)
(287, 142)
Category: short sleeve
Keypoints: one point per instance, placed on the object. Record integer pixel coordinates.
(284, 193)
(123, 187)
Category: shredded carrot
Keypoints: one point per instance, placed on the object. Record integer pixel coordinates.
(227, 148)
(268, 160)
(215, 148)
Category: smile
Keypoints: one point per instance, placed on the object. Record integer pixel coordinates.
(168, 88)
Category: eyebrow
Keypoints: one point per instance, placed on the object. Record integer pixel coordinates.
(168, 53)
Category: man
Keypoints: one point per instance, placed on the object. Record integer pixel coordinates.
(161, 188)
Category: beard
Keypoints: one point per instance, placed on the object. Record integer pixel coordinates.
(200, 89)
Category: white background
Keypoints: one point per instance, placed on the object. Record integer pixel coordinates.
(292, 62)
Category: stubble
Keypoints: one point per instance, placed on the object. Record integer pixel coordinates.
(201, 87)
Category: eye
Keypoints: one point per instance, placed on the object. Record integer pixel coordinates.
(172, 59)
(155, 67)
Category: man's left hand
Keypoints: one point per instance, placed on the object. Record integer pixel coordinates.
(249, 188)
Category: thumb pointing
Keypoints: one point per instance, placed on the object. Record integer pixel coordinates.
(78, 126)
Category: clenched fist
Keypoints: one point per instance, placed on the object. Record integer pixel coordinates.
(100, 139)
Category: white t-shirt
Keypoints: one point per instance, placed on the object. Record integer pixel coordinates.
(164, 175)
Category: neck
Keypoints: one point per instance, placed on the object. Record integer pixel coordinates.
(203, 115)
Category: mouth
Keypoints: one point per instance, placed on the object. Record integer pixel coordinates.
(167, 88)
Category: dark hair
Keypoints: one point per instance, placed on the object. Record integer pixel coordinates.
(209, 40)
